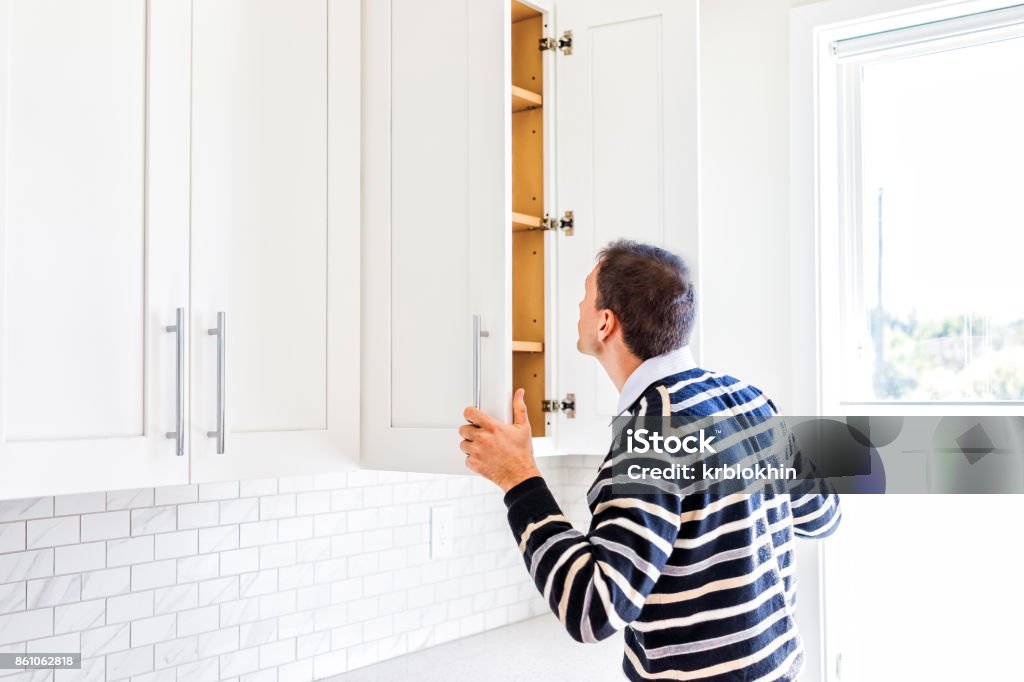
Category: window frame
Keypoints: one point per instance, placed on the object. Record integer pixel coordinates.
(840, 197)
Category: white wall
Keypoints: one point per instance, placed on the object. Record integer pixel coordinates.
(745, 191)
(745, 290)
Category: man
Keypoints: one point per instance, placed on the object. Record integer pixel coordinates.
(701, 583)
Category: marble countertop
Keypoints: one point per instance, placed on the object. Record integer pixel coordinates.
(534, 649)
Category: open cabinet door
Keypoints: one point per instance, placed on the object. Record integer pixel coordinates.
(627, 137)
(436, 205)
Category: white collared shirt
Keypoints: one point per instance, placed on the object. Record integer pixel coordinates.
(652, 369)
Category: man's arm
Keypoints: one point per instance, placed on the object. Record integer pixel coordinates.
(595, 583)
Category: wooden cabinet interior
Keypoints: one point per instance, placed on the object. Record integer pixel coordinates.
(528, 314)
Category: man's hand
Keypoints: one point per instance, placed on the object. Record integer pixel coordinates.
(501, 453)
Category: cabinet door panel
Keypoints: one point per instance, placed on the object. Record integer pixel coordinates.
(94, 235)
(436, 243)
(627, 165)
(267, 208)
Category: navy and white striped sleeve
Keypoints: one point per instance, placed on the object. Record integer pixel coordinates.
(596, 583)
(815, 510)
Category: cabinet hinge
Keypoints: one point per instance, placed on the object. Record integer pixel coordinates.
(564, 43)
(566, 223)
(568, 406)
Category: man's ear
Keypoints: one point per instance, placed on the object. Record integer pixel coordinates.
(608, 324)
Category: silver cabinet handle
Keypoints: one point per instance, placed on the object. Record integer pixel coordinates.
(478, 334)
(179, 400)
(219, 333)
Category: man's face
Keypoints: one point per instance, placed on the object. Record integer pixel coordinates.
(591, 320)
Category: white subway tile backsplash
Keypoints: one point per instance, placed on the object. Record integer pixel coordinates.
(129, 499)
(12, 597)
(275, 556)
(295, 484)
(240, 511)
(183, 543)
(153, 630)
(154, 520)
(26, 625)
(175, 598)
(244, 610)
(257, 633)
(218, 539)
(274, 654)
(196, 620)
(80, 558)
(203, 670)
(129, 551)
(257, 583)
(12, 537)
(176, 652)
(198, 515)
(258, 487)
(277, 506)
(27, 508)
(77, 617)
(26, 565)
(84, 503)
(195, 568)
(245, 581)
(129, 607)
(106, 582)
(129, 663)
(154, 574)
(299, 528)
(218, 491)
(256, 533)
(177, 494)
(217, 642)
(299, 671)
(239, 561)
(218, 590)
(67, 643)
(239, 662)
(62, 530)
(54, 591)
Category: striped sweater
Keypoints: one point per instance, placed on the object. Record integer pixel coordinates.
(702, 584)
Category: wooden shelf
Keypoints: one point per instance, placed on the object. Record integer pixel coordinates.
(521, 12)
(523, 99)
(527, 347)
(521, 222)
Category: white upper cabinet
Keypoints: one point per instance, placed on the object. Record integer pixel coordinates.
(435, 203)
(274, 253)
(627, 138)
(93, 243)
(493, 172)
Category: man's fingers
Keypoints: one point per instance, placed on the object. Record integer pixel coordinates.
(466, 446)
(475, 415)
(469, 431)
(519, 413)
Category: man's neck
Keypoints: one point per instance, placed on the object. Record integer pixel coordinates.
(619, 366)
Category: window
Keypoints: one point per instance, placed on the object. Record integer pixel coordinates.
(930, 232)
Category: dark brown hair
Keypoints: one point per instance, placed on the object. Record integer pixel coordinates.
(650, 291)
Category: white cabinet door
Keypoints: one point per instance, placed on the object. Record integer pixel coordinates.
(436, 243)
(93, 242)
(275, 236)
(627, 166)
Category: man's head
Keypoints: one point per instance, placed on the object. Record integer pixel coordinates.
(639, 299)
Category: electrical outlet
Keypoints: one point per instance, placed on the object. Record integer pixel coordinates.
(442, 522)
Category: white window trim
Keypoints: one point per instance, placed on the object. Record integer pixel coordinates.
(813, 27)
(819, 221)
